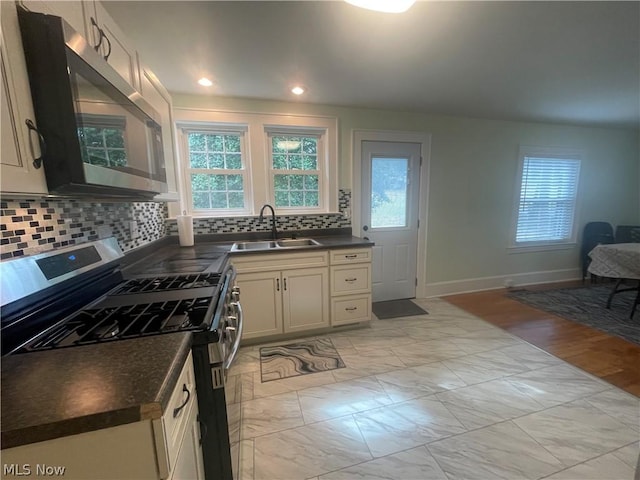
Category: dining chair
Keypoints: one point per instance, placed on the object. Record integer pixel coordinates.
(627, 234)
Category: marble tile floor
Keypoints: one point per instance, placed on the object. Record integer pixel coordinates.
(438, 396)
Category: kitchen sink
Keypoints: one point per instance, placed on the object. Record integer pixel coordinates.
(253, 246)
(279, 244)
(297, 242)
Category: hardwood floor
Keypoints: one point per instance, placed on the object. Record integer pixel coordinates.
(610, 358)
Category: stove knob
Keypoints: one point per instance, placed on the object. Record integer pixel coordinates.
(230, 331)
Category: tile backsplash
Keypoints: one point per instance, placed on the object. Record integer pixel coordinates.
(32, 226)
(284, 222)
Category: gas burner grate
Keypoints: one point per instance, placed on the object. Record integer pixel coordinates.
(104, 324)
(168, 282)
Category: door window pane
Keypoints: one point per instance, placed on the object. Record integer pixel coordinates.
(389, 182)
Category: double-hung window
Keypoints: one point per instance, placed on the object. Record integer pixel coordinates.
(296, 170)
(548, 195)
(232, 163)
(216, 170)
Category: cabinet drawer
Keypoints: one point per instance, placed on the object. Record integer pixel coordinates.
(351, 309)
(352, 255)
(280, 261)
(351, 279)
(181, 403)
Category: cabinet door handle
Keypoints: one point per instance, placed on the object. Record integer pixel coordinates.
(277, 284)
(176, 410)
(106, 57)
(350, 280)
(284, 280)
(37, 162)
(96, 47)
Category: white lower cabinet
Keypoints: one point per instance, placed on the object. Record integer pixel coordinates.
(189, 463)
(305, 299)
(159, 449)
(261, 303)
(178, 431)
(350, 286)
(292, 298)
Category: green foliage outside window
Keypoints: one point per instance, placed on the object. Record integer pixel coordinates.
(295, 153)
(217, 191)
(216, 152)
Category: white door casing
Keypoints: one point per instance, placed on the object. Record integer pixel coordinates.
(400, 252)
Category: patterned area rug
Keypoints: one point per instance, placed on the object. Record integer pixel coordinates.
(396, 308)
(588, 306)
(301, 358)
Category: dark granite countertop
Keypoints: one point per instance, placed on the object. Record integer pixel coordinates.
(56, 393)
(159, 256)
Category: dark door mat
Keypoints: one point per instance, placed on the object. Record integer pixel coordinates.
(396, 308)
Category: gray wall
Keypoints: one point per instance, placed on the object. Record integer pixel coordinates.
(472, 182)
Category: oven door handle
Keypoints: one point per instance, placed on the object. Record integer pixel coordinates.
(234, 349)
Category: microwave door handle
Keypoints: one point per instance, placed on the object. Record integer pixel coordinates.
(234, 350)
(37, 161)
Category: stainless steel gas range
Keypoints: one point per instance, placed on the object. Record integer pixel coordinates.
(78, 296)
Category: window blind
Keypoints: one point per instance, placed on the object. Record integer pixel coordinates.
(548, 197)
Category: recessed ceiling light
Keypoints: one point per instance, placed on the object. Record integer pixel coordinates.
(297, 90)
(387, 6)
(205, 82)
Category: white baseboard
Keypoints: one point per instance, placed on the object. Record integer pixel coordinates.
(468, 285)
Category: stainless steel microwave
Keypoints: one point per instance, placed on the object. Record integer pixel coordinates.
(98, 136)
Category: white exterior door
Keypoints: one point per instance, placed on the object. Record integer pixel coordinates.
(390, 196)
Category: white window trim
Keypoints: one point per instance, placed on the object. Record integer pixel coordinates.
(185, 128)
(257, 155)
(322, 171)
(551, 152)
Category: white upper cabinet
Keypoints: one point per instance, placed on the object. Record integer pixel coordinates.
(19, 146)
(113, 44)
(73, 11)
(158, 97)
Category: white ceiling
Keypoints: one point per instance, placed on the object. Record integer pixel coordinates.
(568, 62)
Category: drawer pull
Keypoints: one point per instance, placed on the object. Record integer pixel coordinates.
(351, 309)
(351, 256)
(351, 280)
(176, 410)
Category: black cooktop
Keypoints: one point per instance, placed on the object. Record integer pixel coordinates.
(167, 282)
(191, 261)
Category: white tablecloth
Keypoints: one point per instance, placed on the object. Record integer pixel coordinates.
(618, 260)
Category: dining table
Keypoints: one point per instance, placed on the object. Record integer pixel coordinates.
(620, 261)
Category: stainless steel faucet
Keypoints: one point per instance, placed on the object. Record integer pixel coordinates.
(274, 230)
